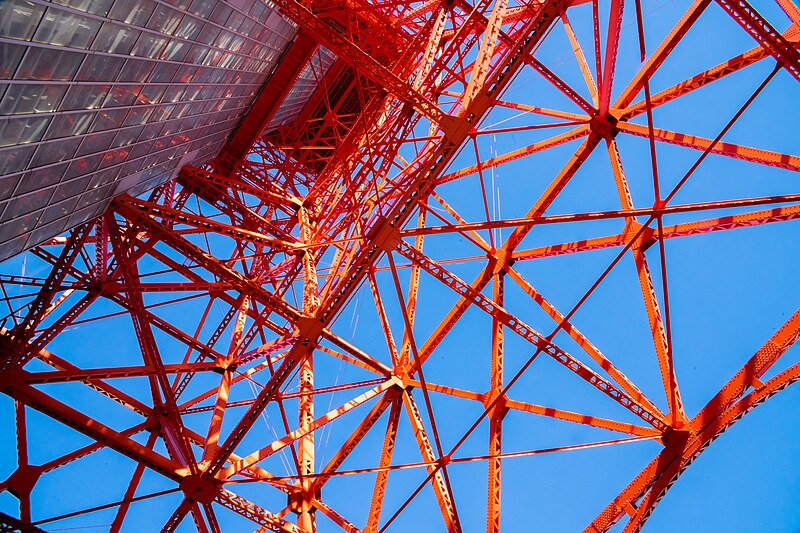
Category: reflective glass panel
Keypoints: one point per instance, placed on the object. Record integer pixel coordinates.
(31, 99)
(135, 12)
(66, 29)
(165, 20)
(96, 7)
(68, 125)
(19, 18)
(10, 56)
(115, 39)
(149, 45)
(53, 152)
(100, 68)
(85, 97)
(22, 130)
(47, 64)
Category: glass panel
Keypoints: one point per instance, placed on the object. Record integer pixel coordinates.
(150, 131)
(213, 57)
(234, 21)
(115, 39)
(202, 8)
(59, 210)
(114, 157)
(70, 124)
(100, 68)
(173, 93)
(7, 185)
(185, 73)
(196, 53)
(136, 70)
(165, 20)
(151, 94)
(91, 197)
(189, 123)
(71, 189)
(55, 151)
(20, 225)
(22, 130)
(221, 13)
(66, 29)
(27, 203)
(137, 115)
(10, 55)
(208, 34)
(161, 113)
(164, 72)
(96, 7)
(96, 143)
(81, 216)
(180, 4)
(224, 40)
(181, 111)
(176, 51)
(257, 10)
(229, 61)
(247, 26)
(103, 178)
(170, 127)
(149, 45)
(84, 96)
(83, 166)
(122, 95)
(31, 99)
(160, 144)
(108, 119)
(44, 233)
(126, 136)
(14, 246)
(189, 28)
(135, 12)
(192, 92)
(40, 179)
(15, 159)
(19, 18)
(203, 75)
(47, 64)
(133, 164)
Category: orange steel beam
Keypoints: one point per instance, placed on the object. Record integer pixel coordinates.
(493, 491)
(379, 491)
(529, 334)
(742, 220)
(443, 495)
(735, 64)
(267, 102)
(746, 153)
(640, 497)
(763, 32)
(276, 242)
(349, 51)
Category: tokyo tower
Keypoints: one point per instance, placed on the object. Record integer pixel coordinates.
(429, 265)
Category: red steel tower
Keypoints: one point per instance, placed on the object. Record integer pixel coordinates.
(373, 266)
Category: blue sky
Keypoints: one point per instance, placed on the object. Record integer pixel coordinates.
(729, 291)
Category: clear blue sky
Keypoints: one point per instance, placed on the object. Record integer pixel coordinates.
(729, 291)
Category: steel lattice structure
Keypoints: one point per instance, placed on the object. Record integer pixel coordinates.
(227, 296)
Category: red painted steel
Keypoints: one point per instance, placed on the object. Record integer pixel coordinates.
(267, 247)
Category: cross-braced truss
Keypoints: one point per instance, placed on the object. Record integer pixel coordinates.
(345, 329)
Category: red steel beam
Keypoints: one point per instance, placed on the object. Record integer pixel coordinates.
(266, 103)
(763, 32)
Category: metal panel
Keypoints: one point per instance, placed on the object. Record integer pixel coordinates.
(141, 84)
